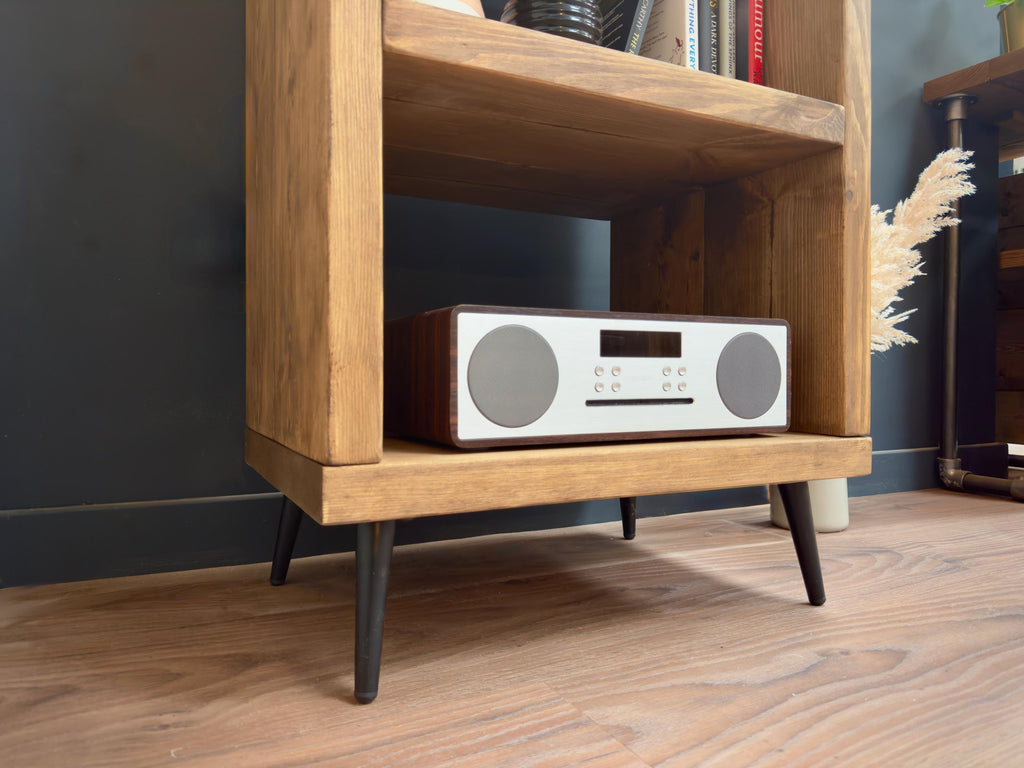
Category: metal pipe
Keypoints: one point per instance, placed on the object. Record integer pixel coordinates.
(950, 469)
(956, 113)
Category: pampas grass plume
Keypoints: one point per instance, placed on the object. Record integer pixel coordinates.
(895, 260)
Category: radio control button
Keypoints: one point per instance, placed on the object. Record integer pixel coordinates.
(667, 386)
(599, 371)
(616, 370)
(682, 370)
(599, 387)
(666, 370)
(616, 386)
(682, 386)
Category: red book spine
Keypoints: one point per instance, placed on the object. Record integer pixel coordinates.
(755, 42)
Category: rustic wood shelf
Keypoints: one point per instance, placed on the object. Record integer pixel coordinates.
(417, 480)
(725, 198)
(998, 87)
(488, 113)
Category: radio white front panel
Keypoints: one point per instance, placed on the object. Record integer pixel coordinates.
(584, 375)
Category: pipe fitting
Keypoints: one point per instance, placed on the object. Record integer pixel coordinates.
(951, 474)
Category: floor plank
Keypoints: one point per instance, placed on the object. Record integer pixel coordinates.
(691, 645)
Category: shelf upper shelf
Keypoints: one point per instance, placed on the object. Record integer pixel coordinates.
(415, 480)
(483, 112)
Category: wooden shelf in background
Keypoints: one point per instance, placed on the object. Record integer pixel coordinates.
(998, 86)
(483, 112)
(417, 480)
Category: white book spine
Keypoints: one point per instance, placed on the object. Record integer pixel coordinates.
(672, 33)
(727, 37)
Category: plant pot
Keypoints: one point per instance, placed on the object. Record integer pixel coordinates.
(1011, 27)
(830, 505)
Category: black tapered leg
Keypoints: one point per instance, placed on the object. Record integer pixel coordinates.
(628, 506)
(796, 499)
(287, 530)
(374, 542)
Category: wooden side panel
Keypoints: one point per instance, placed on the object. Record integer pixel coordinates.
(419, 364)
(313, 226)
(820, 230)
(657, 258)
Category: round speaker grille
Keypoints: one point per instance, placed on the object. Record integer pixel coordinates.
(513, 376)
(749, 375)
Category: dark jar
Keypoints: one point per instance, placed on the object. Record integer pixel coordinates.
(576, 19)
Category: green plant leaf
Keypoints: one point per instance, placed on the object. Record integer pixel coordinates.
(991, 3)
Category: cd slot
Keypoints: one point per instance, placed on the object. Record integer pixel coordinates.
(642, 401)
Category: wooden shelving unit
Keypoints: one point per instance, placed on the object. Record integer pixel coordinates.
(996, 88)
(724, 198)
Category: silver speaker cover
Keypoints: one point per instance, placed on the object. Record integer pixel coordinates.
(749, 375)
(512, 376)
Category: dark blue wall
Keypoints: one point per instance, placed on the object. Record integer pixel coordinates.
(121, 285)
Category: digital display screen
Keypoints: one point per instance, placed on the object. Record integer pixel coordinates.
(641, 344)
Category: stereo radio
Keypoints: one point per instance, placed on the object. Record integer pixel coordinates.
(477, 376)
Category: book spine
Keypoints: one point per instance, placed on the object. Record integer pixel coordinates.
(692, 35)
(742, 37)
(636, 32)
(755, 41)
(727, 37)
(705, 15)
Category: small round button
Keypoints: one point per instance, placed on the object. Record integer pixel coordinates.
(616, 370)
(682, 386)
(616, 386)
(599, 371)
(682, 370)
(667, 386)
(666, 370)
(599, 387)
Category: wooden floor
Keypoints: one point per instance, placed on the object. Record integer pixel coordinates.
(692, 645)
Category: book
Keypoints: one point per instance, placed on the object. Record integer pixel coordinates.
(707, 36)
(624, 23)
(672, 33)
(750, 40)
(727, 38)
(755, 42)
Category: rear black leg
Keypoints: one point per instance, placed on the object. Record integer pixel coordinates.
(797, 501)
(287, 530)
(628, 506)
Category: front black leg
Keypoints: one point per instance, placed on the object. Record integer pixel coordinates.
(797, 501)
(374, 542)
(287, 530)
(627, 504)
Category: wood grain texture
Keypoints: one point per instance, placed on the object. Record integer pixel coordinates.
(820, 261)
(1010, 349)
(419, 368)
(314, 202)
(657, 258)
(1009, 426)
(691, 645)
(511, 110)
(415, 480)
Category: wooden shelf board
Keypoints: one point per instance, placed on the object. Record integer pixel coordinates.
(484, 112)
(998, 86)
(416, 480)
